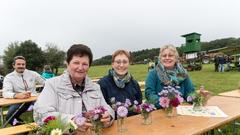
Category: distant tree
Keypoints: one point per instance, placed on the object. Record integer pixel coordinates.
(8, 56)
(33, 55)
(54, 56)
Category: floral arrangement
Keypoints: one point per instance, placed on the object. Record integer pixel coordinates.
(145, 109)
(121, 108)
(53, 126)
(95, 117)
(198, 98)
(170, 97)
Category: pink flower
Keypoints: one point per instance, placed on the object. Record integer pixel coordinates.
(49, 118)
(122, 111)
(164, 102)
(180, 99)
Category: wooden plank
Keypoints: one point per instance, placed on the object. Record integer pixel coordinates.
(234, 93)
(7, 101)
(17, 129)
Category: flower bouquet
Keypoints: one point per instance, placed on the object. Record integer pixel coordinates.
(122, 111)
(95, 117)
(198, 99)
(53, 126)
(145, 109)
(170, 98)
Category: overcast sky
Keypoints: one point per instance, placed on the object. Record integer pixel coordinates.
(108, 25)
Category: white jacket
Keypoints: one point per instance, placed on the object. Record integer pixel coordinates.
(58, 98)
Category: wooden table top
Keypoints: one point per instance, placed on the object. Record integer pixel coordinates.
(7, 101)
(181, 125)
(234, 93)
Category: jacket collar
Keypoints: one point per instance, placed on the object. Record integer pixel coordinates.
(66, 86)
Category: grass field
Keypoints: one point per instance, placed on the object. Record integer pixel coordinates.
(215, 82)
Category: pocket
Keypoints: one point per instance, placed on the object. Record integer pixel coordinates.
(95, 100)
(64, 96)
(64, 102)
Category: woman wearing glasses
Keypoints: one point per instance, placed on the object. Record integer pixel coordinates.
(168, 71)
(119, 83)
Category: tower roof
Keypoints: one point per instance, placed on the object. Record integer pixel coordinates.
(189, 34)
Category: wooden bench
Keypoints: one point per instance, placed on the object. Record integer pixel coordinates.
(17, 129)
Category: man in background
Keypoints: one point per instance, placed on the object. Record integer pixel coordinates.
(20, 84)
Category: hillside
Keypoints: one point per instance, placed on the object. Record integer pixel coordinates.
(139, 56)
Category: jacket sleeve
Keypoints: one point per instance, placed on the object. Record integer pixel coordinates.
(39, 78)
(105, 105)
(151, 93)
(188, 87)
(46, 105)
(138, 95)
(7, 88)
(104, 90)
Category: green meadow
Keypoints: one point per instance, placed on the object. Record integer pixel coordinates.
(215, 82)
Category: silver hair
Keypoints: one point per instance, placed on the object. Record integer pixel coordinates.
(171, 48)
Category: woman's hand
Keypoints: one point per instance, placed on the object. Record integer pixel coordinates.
(106, 119)
(84, 127)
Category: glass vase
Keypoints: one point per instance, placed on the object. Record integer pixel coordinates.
(146, 118)
(121, 127)
(96, 129)
(171, 112)
(197, 106)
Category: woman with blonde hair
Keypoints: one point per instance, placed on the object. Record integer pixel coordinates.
(168, 71)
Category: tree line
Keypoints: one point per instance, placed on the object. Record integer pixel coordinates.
(140, 56)
(36, 57)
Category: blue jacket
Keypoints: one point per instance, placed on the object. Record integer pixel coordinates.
(131, 91)
(153, 86)
(48, 75)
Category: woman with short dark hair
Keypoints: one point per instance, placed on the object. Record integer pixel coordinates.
(73, 92)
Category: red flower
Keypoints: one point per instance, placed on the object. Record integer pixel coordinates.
(49, 118)
(175, 102)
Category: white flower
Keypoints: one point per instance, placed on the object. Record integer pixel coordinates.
(56, 132)
(73, 124)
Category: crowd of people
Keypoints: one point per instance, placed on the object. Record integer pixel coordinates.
(223, 63)
(73, 92)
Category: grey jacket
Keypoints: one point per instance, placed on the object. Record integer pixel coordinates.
(58, 98)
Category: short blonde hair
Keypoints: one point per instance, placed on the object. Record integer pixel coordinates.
(118, 52)
(171, 48)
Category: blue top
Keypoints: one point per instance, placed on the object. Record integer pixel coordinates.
(48, 75)
(131, 91)
(153, 86)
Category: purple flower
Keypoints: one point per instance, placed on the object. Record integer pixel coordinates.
(128, 102)
(189, 99)
(79, 120)
(122, 111)
(135, 102)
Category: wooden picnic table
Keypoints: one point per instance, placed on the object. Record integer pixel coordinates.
(7, 102)
(181, 125)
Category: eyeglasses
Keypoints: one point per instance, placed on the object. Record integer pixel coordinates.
(118, 62)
